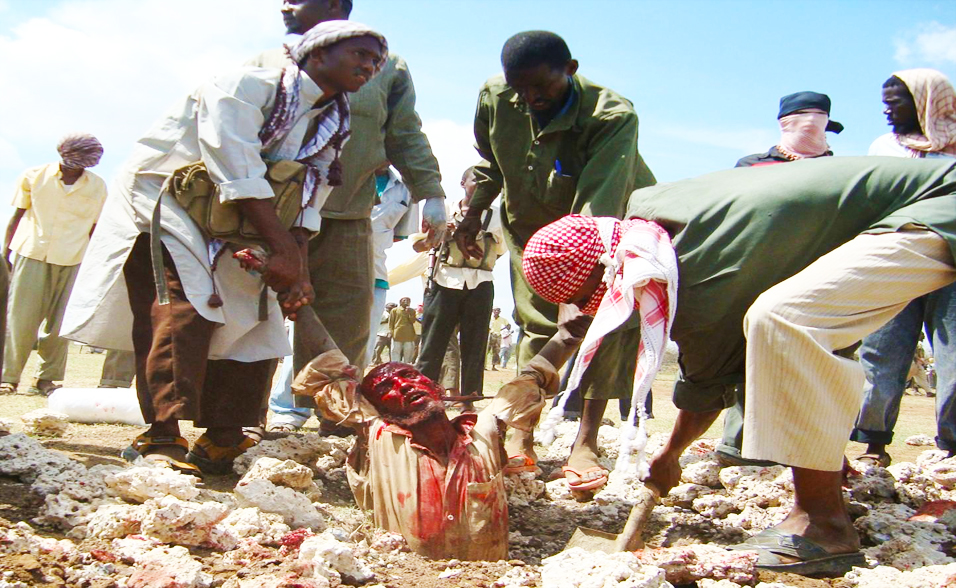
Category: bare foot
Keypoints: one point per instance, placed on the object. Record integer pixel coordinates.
(584, 461)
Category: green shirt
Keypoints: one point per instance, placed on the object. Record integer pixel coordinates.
(385, 128)
(739, 232)
(594, 143)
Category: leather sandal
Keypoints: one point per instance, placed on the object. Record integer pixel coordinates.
(7, 388)
(217, 459)
(876, 459)
(144, 444)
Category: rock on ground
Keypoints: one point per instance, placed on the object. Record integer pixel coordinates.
(45, 422)
(577, 568)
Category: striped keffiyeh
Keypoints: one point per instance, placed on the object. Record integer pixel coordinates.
(640, 273)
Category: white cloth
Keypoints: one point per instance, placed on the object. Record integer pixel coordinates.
(888, 146)
(218, 123)
(459, 278)
(393, 212)
(801, 404)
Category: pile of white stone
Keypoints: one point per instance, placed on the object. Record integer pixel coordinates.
(151, 514)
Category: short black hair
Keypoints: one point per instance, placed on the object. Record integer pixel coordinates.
(894, 82)
(532, 48)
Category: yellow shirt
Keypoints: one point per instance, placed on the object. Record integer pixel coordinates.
(497, 324)
(56, 225)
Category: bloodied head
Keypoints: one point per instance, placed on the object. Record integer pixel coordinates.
(401, 394)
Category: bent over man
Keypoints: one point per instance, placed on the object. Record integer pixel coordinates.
(780, 268)
(203, 354)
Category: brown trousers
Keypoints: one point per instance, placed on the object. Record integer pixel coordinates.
(174, 378)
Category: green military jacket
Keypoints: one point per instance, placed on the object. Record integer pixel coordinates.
(385, 128)
(738, 232)
(585, 161)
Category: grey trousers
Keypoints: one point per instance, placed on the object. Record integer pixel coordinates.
(39, 292)
(340, 267)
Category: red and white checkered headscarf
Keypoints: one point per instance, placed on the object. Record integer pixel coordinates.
(640, 274)
(559, 258)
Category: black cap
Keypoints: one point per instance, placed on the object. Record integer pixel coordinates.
(803, 100)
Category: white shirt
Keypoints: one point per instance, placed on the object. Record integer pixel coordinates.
(459, 278)
(218, 123)
(887, 146)
(395, 216)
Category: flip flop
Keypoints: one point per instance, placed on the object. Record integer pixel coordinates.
(141, 446)
(814, 560)
(590, 484)
(519, 463)
(7, 388)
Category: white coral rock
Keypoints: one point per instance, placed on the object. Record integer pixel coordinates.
(294, 507)
(139, 484)
(324, 555)
(280, 472)
(324, 452)
(687, 564)
(704, 471)
(577, 568)
(920, 441)
(46, 471)
(251, 523)
(168, 566)
(115, 520)
(517, 577)
(45, 422)
(172, 520)
(936, 576)
(714, 506)
(944, 473)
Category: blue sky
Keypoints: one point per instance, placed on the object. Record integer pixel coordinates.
(705, 76)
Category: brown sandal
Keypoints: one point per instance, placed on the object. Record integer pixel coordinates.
(143, 444)
(217, 459)
(876, 459)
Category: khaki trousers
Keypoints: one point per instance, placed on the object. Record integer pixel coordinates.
(39, 292)
(801, 397)
(119, 368)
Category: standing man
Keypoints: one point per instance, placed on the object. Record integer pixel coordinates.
(401, 328)
(384, 340)
(506, 345)
(385, 128)
(461, 297)
(804, 119)
(57, 206)
(498, 322)
(205, 340)
(921, 109)
(554, 143)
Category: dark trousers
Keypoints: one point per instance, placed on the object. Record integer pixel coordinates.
(470, 310)
(174, 378)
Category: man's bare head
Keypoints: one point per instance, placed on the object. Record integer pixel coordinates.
(402, 394)
(301, 15)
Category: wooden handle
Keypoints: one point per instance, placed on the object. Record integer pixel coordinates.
(630, 538)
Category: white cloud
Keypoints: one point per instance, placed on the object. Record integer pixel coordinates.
(453, 145)
(743, 141)
(932, 43)
(112, 67)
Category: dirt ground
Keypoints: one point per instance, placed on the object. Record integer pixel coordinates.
(546, 526)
